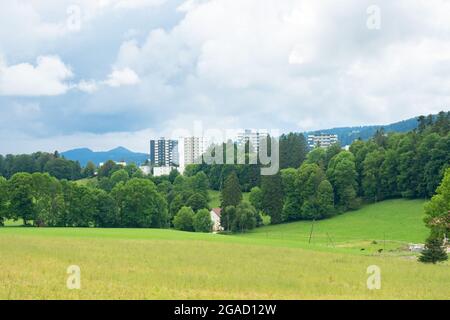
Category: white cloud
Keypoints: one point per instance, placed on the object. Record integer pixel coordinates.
(88, 86)
(255, 58)
(47, 78)
(122, 77)
(290, 64)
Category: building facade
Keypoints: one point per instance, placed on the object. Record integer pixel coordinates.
(252, 136)
(215, 219)
(164, 152)
(194, 147)
(322, 140)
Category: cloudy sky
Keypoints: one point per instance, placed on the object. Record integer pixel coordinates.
(104, 73)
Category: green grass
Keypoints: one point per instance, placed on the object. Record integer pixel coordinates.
(384, 225)
(214, 198)
(86, 181)
(274, 262)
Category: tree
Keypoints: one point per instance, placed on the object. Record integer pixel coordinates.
(48, 199)
(89, 170)
(245, 218)
(140, 205)
(372, 179)
(107, 169)
(197, 201)
(342, 175)
(200, 184)
(293, 150)
(407, 178)
(173, 175)
(119, 176)
(292, 206)
(202, 221)
(389, 173)
(434, 250)
(175, 205)
(106, 214)
(317, 156)
(227, 217)
(272, 197)
(20, 190)
(438, 209)
(80, 205)
(309, 179)
(63, 169)
(3, 199)
(325, 200)
(231, 192)
(255, 198)
(331, 152)
(184, 219)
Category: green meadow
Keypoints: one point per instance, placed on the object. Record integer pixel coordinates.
(275, 262)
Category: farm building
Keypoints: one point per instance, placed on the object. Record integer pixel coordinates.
(215, 218)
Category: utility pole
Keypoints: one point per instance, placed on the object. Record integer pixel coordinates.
(311, 233)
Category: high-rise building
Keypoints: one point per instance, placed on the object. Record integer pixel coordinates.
(252, 136)
(322, 140)
(164, 152)
(194, 147)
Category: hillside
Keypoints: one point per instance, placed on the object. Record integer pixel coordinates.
(84, 155)
(347, 135)
(399, 222)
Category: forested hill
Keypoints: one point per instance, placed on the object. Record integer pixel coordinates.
(347, 135)
(118, 154)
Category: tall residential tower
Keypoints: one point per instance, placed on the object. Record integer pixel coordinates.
(164, 152)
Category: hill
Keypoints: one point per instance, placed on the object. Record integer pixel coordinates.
(347, 135)
(398, 222)
(84, 155)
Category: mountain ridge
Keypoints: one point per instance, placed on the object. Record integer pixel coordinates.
(84, 155)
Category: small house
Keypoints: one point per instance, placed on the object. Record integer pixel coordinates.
(215, 218)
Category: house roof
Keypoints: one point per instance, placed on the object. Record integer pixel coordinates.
(217, 211)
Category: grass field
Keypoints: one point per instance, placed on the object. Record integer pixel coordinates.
(214, 198)
(273, 262)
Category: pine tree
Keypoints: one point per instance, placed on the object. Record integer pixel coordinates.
(231, 192)
(272, 202)
(434, 251)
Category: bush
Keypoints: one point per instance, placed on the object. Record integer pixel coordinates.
(184, 219)
(202, 221)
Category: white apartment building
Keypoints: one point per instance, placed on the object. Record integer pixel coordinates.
(322, 140)
(194, 147)
(163, 171)
(253, 136)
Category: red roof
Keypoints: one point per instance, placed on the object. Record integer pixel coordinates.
(217, 211)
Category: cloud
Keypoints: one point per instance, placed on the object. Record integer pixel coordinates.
(47, 78)
(88, 86)
(296, 65)
(292, 64)
(122, 77)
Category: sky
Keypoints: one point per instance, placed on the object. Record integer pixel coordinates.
(108, 73)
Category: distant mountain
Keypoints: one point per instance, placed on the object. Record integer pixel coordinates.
(347, 135)
(84, 155)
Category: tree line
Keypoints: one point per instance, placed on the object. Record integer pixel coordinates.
(51, 163)
(293, 151)
(309, 186)
(331, 181)
(112, 201)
